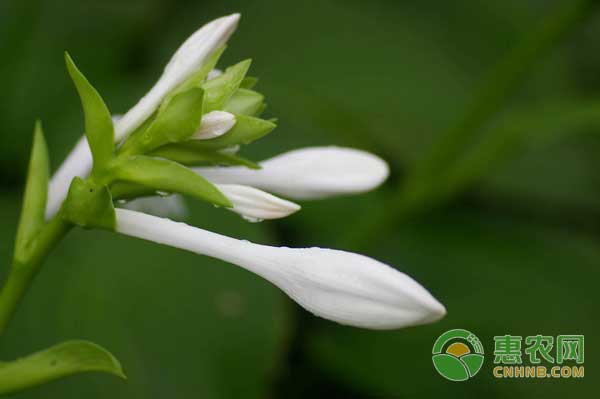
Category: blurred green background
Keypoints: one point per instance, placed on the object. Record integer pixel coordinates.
(488, 112)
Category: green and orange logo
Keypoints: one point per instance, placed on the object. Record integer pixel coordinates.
(457, 355)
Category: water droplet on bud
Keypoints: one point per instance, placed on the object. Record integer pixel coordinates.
(251, 219)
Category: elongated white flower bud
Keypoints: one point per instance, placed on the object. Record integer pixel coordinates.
(187, 59)
(340, 286)
(256, 205)
(214, 124)
(308, 173)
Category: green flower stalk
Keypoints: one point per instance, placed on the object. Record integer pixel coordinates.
(183, 138)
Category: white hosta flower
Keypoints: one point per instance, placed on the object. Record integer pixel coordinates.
(256, 205)
(187, 59)
(214, 124)
(308, 173)
(341, 286)
(171, 206)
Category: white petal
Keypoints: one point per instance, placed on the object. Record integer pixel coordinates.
(214, 124)
(340, 286)
(171, 206)
(256, 205)
(309, 173)
(186, 60)
(214, 73)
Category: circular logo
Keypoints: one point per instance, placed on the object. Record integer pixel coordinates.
(457, 355)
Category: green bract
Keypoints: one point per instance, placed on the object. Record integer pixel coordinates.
(191, 155)
(246, 130)
(98, 123)
(220, 89)
(245, 102)
(175, 122)
(36, 191)
(89, 205)
(169, 176)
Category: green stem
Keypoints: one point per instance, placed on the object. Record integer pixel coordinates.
(24, 270)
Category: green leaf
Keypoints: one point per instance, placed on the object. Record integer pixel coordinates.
(89, 205)
(176, 122)
(220, 89)
(245, 102)
(196, 80)
(169, 176)
(246, 130)
(36, 191)
(59, 361)
(249, 82)
(190, 156)
(98, 123)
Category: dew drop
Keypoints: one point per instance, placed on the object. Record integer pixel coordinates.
(162, 193)
(252, 219)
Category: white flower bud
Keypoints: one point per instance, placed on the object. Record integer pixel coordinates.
(340, 286)
(187, 59)
(308, 173)
(214, 124)
(256, 205)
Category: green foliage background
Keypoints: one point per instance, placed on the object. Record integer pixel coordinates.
(516, 251)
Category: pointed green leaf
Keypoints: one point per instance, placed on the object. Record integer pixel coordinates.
(176, 122)
(220, 89)
(190, 156)
(36, 191)
(98, 123)
(59, 361)
(249, 82)
(245, 102)
(246, 130)
(169, 176)
(89, 205)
